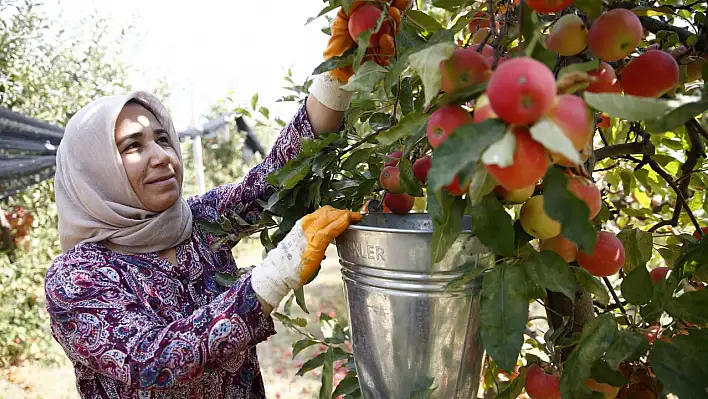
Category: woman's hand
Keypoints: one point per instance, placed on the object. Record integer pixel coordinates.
(296, 258)
(327, 101)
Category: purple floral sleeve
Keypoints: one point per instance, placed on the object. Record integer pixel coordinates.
(241, 197)
(103, 325)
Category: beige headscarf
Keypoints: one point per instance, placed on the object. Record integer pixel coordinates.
(95, 200)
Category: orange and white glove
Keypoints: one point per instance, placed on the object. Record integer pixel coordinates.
(293, 262)
(326, 87)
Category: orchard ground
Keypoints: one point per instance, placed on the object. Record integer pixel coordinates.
(324, 294)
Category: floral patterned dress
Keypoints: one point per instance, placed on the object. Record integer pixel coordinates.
(137, 326)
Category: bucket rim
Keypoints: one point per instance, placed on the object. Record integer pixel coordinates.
(465, 229)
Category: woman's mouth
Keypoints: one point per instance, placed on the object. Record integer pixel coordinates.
(162, 180)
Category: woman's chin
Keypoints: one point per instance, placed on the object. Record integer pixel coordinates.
(162, 200)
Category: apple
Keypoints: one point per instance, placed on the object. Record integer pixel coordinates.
(573, 117)
(455, 189)
(605, 122)
(588, 192)
(399, 204)
(466, 67)
(444, 121)
(562, 246)
(604, 80)
(607, 257)
(536, 222)
(518, 196)
(658, 274)
(480, 20)
(421, 167)
(390, 180)
(615, 34)
(530, 163)
(651, 74)
(568, 36)
(364, 18)
(609, 390)
(697, 235)
(521, 90)
(542, 385)
(482, 109)
(394, 158)
(548, 6)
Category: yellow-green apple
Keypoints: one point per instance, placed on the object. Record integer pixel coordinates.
(521, 90)
(568, 36)
(536, 222)
(529, 164)
(390, 180)
(615, 34)
(652, 74)
(518, 196)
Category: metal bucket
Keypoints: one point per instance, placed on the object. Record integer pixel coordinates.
(406, 328)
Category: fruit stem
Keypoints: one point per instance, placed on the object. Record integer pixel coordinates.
(617, 300)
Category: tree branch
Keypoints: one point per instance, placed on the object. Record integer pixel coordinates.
(617, 301)
(617, 150)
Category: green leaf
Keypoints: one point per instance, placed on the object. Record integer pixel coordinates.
(380, 121)
(357, 157)
(637, 287)
(447, 224)
(677, 116)
(406, 96)
(627, 345)
(591, 8)
(409, 125)
(426, 63)
(300, 297)
(493, 226)
(501, 152)
(264, 111)
(503, 313)
(366, 78)
(691, 307)
(287, 321)
(596, 338)
(550, 135)
(451, 5)
(603, 373)
(592, 285)
(327, 375)
(681, 364)
(311, 364)
(634, 108)
(346, 386)
(422, 21)
(409, 182)
(482, 184)
(336, 62)
(295, 175)
(462, 96)
(213, 228)
(301, 345)
(254, 101)
(548, 270)
(637, 246)
(461, 151)
(581, 67)
(572, 213)
(514, 388)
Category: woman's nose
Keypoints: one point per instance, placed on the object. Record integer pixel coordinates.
(158, 154)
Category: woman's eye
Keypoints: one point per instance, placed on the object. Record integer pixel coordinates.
(163, 140)
(132, 146)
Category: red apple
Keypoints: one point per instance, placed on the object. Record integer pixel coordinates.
(529, 164)
(444, 121)
(651, 74)
(421, 167)
(615, 34)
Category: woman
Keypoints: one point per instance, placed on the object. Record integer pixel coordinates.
(132, 298)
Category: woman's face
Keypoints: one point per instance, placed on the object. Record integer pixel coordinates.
(152, 165)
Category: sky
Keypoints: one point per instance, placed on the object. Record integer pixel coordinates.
(206, 48)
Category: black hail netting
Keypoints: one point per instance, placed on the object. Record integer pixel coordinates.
(28, 148)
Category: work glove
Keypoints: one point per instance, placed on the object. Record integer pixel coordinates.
(326, 87)
(294, 261)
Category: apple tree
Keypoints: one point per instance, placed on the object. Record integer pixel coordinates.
(572, 133)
